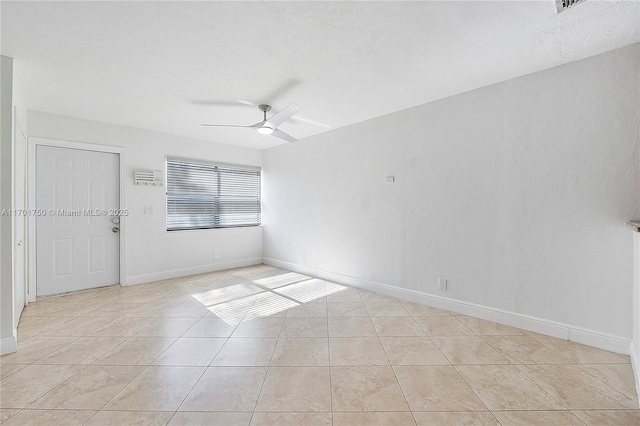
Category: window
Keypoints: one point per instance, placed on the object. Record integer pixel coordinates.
(204, 195)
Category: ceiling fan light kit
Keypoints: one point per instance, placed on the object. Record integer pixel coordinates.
(264, 130)
(270, 126)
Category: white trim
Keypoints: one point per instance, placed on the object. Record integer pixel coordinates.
(14, 120)
(32, 142)
(526, 322)
(8, 345)
(31, 222)
(16, 313)
(598, 339)
(635, 365)
(205, 162)
(163, 275)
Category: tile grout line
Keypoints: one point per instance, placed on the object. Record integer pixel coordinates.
(482, 337)
(539, 385)
(117, 393)
(268, 366)
(404, 395)
(205, 368)
(455, 369)
(56, 386)
(580, 366)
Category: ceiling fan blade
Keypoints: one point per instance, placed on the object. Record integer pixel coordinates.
(279, 92)
(282, 116)
(224, 125)
(282, 135)
(243, 102)
(213, 102)
(305, 120)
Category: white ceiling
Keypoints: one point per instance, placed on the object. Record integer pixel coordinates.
(169, 66)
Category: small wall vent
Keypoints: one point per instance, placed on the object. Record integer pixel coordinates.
(148, 177)
(562, 5)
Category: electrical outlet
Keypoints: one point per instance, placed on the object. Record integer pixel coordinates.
(148, 209)
(303, 257)
(216, 255)
(442, 284)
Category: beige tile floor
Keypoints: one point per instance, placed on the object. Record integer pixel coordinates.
(259, 346)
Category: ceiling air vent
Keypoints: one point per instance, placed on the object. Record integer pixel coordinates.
(562, 5)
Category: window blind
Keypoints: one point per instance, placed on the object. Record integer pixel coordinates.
(204, 195)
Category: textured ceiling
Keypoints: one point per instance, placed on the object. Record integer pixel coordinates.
(169, 66)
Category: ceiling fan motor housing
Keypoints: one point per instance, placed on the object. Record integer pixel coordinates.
(264, 108)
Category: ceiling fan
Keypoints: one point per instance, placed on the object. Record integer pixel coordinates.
(269, 126)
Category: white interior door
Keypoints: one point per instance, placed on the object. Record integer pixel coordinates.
(19, 223)
(77, 227)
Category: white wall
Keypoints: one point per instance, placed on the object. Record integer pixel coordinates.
(151, 252)
(516, 193)
(7, 331)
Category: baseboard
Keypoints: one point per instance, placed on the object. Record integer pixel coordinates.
(635, 365)
(174, 273)
(8, 345)
(598, 339)
(526, 322)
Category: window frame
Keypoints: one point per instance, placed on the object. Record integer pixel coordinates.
(217, 205)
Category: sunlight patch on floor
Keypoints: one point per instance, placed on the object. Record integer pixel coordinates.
(309, 290)
(270, 296)
(224, 294)
(233, 312)
(281, 280)
(269, 304)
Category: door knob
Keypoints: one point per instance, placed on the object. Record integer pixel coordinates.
(115, 229)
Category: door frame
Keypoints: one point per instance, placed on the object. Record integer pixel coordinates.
(24, 288)
(32, 144)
